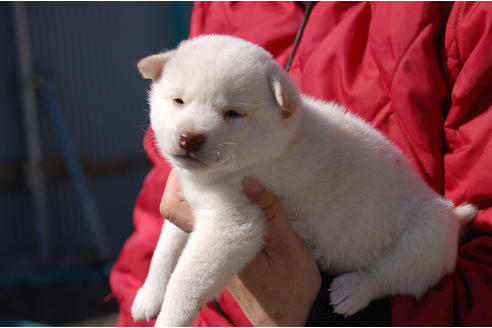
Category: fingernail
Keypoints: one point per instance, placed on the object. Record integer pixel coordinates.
(252, 186)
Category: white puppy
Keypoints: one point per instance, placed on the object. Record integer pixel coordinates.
(221, 110)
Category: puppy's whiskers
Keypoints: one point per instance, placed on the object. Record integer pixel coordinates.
(231, 160)
(224, 157)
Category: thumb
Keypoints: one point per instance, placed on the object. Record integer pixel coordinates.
(279, 229)
(281, 241)
(261, 197)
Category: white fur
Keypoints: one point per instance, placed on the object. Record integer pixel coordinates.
(348, 192)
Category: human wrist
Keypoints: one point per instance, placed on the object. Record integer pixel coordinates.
(265, 308)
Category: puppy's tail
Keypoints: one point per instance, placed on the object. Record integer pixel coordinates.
(465, 213)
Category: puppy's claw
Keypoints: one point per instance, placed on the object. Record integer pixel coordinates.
(350, 293)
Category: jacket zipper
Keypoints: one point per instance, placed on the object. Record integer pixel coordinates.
(307, 11)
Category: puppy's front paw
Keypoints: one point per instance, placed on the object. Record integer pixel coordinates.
(147, 303)
(350, 293)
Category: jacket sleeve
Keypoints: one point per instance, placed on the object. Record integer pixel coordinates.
(463, 298)
(130, 269)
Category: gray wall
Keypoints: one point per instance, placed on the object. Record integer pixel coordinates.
(90, 50)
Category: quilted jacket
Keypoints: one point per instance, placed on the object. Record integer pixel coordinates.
(419, 72)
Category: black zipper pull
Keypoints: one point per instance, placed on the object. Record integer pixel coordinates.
(308, 5)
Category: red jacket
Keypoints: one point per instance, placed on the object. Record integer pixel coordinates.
(419, 72)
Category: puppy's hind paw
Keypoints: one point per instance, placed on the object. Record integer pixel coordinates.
(350, 293)
(147, 304)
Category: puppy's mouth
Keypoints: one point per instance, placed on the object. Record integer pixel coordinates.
(188, 160)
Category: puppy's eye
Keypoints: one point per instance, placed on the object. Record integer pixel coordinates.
(232, 114)
(179, 101)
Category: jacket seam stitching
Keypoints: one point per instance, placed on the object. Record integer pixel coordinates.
(459, 14)
(397, 115)
(410, 139)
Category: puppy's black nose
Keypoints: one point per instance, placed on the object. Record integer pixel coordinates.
(191, 141)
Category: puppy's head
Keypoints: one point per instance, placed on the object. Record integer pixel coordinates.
(219, 103)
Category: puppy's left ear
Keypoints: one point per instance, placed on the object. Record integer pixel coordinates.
(151, 67)
(285, 90)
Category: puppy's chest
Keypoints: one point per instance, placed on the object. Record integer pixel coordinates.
(220, 201)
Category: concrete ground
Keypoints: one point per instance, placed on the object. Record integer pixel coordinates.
(106, 320)
(80, 303)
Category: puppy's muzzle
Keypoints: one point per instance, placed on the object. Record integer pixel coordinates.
(191, 142)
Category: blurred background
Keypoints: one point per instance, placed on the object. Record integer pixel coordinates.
(72, 118)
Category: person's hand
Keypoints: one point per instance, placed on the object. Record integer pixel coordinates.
(279, 286)
(173, 206)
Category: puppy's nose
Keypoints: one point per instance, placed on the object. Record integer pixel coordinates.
(191, 141)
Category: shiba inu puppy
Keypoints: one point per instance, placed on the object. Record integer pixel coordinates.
(222, 110)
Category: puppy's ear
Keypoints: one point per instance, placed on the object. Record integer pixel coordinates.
(285, 91)
(151, 67)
